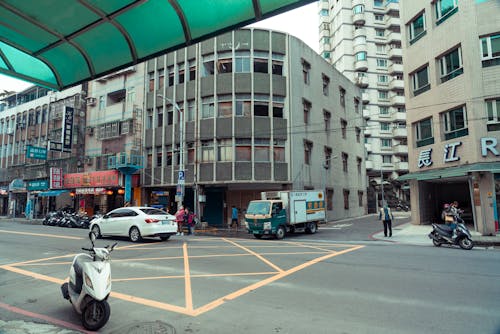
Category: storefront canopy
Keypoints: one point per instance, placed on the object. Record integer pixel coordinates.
(61, 43)
(52, 193)
(458, 171)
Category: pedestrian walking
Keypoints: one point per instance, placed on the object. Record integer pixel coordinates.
(179, 218)
(386, 215)
(189, 220)
(234, 217)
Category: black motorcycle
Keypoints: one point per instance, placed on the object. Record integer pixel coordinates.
(443, 234)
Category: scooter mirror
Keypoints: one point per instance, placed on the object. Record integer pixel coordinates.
(92, 237)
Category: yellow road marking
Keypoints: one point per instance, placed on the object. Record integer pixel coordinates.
(33, 275)
(192, 276)
(259, 284)
(187, 279)
(263, 259)
(41, 235)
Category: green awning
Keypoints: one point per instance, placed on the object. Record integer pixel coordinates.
(61, 43)
(443, 173)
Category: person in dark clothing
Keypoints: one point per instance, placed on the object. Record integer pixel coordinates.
(385, 214)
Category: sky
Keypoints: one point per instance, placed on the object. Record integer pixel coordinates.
(301, 22)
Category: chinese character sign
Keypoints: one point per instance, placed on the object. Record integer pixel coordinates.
(67, 133)
(56, 178)
(425, 159)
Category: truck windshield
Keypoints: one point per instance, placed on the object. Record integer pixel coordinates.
(259, 208)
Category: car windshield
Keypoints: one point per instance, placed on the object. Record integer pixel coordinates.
(153, 211)
(258, 208)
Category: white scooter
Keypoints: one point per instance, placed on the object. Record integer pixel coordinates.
(90, 285)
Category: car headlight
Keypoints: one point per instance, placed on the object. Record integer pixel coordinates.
(88, 281)
(267, 225)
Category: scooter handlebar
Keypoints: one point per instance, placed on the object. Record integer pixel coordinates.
(87, 249)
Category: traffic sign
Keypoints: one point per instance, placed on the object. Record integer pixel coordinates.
(34, 152)
(181, 177)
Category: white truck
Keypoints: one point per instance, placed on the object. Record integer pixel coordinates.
(279, 212)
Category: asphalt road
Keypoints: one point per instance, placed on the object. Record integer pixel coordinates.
(336, 281)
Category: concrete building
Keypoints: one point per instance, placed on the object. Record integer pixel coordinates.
(362, 39)
(261, 111)
(452, 79)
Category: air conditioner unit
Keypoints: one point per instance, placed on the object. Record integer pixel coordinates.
(91, 101)
(90, 131)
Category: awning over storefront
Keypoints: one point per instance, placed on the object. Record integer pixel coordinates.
(62, 43)
(443, 173)
(52, 193)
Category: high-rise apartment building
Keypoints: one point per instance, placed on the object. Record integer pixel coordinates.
(362, 39)
(452, 79)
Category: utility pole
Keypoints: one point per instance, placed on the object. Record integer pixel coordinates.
(181, 175)
(382, 186)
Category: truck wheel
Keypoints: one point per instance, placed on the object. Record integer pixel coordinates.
(280, 233)
(258, 236)
(311, 228)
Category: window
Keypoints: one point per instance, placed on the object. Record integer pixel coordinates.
(207, 151)
(490, 50)
(444, 9)
(171, 76)
(224, 150)
(192, 70)
(170, 114)
(191, 153)
(261, 105)
(356, 105)
(451, 65)
(224, 105)
(360, 56)
(360, 198)
(386, 159)
(207, 107)
(346, 199)
(381, 63)
(423, 132)
(342, 96)
(379, 17)
(208, 66)
(416, 28)
(242, 62)
(224, 62)
(326, 85)
(243, 150)
(278, 105)
(345, 158)
(102, 102)
(277, 64)
(359, 162)
(306, 68)
(161, 78)
(385, 143)
(260, 62)
(323, 12)
(329, 199)
(159, 155)
(181, 74)
(383, 79)
(327, 117)
(382, 110)
(358, 9)
(308, 145)
(326, 40)
(378, 3)
(383, 95)
(191, 110)
(262, 150)
(455, 123)
(159, 116)
(343, 126)
(493, 110)
(358, 134)
(243, 105)
(380, 48)
(379, 32)
(385, 127)
(279, 150)
(307, 109)
(420, 81)
(328, 157)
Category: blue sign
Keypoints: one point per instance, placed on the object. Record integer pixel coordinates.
(38, 185)
(34, 152)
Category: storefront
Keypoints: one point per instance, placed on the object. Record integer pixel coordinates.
(17, 198)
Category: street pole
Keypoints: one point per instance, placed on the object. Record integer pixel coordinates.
(382, 186)
(180, 183)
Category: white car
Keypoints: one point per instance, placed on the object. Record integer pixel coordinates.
(135, 222)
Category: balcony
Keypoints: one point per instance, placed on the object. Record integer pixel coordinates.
(399, 133)
(359, 47)
(393, 37)
(368, 148)
(398, 116)
(366, 113)
(401, 166)
(400, 149)
(396, 84)
(395, 68)
(369, 164)
(361, 82)
(392, 21)
(368, 132)
(397, 100)
(365, 97)
(359, 32)
(125, 161)
(391, 7)
(395, 53)
(358, 18)
(361, 65)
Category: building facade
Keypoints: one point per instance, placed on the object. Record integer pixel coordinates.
(452, 67)
(258, 110)
(362, 39)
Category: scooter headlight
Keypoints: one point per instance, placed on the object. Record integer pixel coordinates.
(88, 281)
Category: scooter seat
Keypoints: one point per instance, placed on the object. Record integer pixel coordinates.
(445, 229)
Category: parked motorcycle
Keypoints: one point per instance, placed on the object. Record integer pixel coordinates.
(443, 234)
(89, 285)
(401, 206)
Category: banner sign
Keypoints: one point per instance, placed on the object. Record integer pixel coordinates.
(38, 185)
(56, 178)
(90, 191)
(34, 152)
(67, 133)
(108, 178)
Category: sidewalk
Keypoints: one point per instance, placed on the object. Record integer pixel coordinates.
(418, 235)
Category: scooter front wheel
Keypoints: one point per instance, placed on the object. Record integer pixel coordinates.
(95, 315)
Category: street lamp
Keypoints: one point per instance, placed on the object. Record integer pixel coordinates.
(180, 179)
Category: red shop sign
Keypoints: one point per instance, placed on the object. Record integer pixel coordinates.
(108, 178)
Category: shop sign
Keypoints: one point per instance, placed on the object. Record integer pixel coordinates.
(38, 185)
(56, 178)
(67, 133)
(90, 191)
(17, 185)
(34, 152)
(109, 178)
